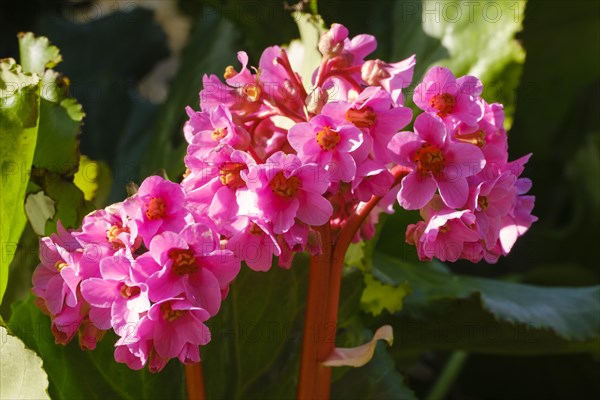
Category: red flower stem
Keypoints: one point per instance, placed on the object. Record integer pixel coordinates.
(324, 285)
(194, 380)
(315, 379)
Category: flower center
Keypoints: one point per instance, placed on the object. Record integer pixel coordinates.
(255, 229)
(230, 72)
(113, 233)
(229, 174)
(429, 158)
(327, 138)
(361, 118)
(157, 208)
(219, 134)
(483, 202)
(476, 138)
(129, 291)
(252, 92)
(284, 187)
(169, 314)
(60, 265)
(443, 103)
(184, 261)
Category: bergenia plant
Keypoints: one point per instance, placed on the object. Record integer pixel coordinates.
(276, 168)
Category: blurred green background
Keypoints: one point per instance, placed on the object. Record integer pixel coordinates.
(135, 68)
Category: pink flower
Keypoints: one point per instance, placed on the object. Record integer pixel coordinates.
(173, 324)
(490, 201)
(114, 298)
(372, 179)
(158, 206)
(191, 263)
(446, 235)
(392, 77)
(375, 115)
(208, 129)
(256, 245)
(328, 143)
(488, 134)
(518, 221)
(66, 323)
(454, 100)
(89, 335)
(286, 189)
(108, 228)
(437, 163)
(331, 42)
(212, 186)
(48, 281)
(277, 82)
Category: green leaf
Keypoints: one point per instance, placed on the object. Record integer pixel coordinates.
(94, 179)
(568, 318)
(77, 374)
(256, 335)
(480, 40)
(60, 122)
(21, 372)
(56, 157)
(37, 54)
(19, 119)
(71, 205)
(378, 296)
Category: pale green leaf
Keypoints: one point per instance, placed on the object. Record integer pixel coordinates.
(21, 372)
(37, 54)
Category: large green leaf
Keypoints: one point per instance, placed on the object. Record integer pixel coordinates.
(256, 335)
(480, 40)
(462, 310)
(77, 374)
(21, 372)
(56, 158)
(19, 120)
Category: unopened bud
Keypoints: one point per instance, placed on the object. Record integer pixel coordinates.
(331, 42)
(316, 100)
(373, 71)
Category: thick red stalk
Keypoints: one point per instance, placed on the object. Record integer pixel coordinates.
(324, 285)
(194, 380)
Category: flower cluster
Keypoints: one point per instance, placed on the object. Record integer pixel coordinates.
(270, 160)
(472, 199)
(146, 268)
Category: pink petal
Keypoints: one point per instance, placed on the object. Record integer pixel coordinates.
(454, 193)
(416, 191)
(99, 292)
(315, 210)
(431, 129)
(203, 290)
